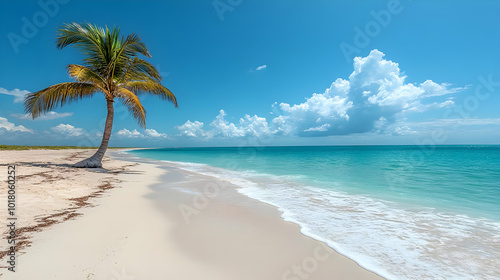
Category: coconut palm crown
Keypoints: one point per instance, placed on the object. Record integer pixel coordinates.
(112, 67)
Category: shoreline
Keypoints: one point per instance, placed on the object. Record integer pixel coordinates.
(138, 229)
(346, 198)
(271, 209)
(283, 214)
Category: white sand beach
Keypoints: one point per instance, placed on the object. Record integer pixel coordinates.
(142, 220)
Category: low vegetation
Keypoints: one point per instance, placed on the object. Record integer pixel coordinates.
(20, 148)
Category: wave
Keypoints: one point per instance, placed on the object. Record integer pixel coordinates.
(393, 240)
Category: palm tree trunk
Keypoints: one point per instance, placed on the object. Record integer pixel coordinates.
(95, 161)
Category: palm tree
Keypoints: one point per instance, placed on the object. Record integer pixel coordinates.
(111, 66)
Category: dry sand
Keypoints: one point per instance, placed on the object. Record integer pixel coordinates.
(158, 222)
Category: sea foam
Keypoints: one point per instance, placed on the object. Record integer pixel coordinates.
(392, 240)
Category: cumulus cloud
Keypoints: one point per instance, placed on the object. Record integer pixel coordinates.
(17, 93)
(404, 130)
(253, 126)
(376, 97)
(10, 127)
(154, 134)
(376, 90)
(191, 129)
(221, 127)
(68, 130)
(148, 133)
(125, 133)
(319, 112)
(323, 127)
(48, 116)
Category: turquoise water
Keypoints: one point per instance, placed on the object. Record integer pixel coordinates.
(405, 212)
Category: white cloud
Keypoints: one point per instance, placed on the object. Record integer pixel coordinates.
(385, 86)
(154, 134)
(17, 93)
(404, 130)
(254, 126)
(433, 89)
(225, 128)
(125, 133)
(411, 128)
(148, 133)
(454, 122)
(68, 130)
(375, 90)
(5, 124)
(48, 116)
(282, 125)
(318, 110)
(248, 126)
(191, 129)
(376, 97)
(259, 68)
(323, 127)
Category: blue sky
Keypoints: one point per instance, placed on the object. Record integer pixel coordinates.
(270, 72)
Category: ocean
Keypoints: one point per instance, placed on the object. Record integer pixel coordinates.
(403, 212)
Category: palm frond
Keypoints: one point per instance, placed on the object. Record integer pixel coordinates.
(90, 40)
(140, 70)
(83, 34)
(45, 100)
(85, 74)
(132, 45)
(126, 50)
(133, 104)
(111, 65)
(151, 87)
